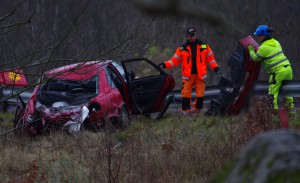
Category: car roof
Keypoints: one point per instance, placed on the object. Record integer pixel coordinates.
(79, 71)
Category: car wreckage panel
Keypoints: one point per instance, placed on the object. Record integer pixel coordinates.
(241, 65)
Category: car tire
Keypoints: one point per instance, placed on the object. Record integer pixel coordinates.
(98, 126)
(123, 118)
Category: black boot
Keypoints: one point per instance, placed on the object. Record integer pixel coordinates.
(185, 103)
(199, 103)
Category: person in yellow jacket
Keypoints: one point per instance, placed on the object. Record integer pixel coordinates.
(275, 62)
(194, 55)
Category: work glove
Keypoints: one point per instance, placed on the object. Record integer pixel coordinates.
(251, 47)
(217, 70)
(162, 65)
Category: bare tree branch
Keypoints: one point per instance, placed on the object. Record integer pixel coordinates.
(128, 38)
(65, 36)
(12, 26)
(7, 15)
(171, 7)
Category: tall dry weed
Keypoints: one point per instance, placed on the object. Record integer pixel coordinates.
(261, 118)
(32, 174)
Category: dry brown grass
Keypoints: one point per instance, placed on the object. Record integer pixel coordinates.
(175, 149)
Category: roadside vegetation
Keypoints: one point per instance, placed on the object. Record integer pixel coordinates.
(174, 149)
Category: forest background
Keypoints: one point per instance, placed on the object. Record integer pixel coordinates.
(39, 35)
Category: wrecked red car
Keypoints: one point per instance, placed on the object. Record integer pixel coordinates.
(95, 94)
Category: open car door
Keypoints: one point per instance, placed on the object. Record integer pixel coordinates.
(148, 85)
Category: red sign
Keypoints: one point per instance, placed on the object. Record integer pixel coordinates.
(12, 77)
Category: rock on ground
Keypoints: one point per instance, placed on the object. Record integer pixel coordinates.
(269, 157)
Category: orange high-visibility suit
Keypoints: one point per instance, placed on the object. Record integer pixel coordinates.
(193, 70)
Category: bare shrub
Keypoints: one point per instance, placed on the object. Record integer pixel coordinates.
(32, 174)
(261, 118)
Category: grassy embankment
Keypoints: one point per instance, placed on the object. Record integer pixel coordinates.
(174, 149)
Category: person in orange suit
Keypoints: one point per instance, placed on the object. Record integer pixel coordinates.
(194, 56)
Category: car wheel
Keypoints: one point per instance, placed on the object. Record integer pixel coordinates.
(98, 126)
(123, 118)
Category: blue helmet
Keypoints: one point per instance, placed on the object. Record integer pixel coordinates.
(263, 30)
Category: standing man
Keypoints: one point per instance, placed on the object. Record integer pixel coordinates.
(276, 64)
(193, 56)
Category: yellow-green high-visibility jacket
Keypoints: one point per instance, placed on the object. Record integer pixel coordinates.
(270, 52)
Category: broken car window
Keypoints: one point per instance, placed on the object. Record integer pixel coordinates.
(141, 69)
(69, 91)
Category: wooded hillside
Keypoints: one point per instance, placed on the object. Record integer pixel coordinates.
(39, 35)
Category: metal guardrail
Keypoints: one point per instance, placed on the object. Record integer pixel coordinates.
(210, 92)
(291, 88)
(10, 93)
